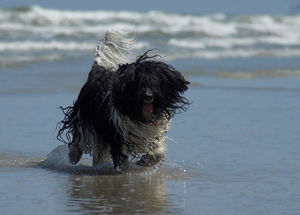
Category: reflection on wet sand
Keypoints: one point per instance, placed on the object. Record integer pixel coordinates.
(117, 194)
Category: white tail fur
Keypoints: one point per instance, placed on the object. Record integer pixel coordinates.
(112, 51)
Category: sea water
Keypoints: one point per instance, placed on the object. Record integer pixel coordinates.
(235, 151)
(42, 34)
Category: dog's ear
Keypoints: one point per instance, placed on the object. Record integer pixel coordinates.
(165, 72)
(173, 90)
(176, 79)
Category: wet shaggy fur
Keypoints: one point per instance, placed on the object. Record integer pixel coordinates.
(123, 111)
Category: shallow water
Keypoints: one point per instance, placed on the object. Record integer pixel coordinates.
(235, 151)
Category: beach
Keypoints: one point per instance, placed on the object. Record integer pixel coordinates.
(234, 151)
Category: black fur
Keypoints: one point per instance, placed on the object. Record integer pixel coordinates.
(145, 80)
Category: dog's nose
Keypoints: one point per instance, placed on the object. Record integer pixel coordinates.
(148, 96)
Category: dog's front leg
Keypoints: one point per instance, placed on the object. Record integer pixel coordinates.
(155, 157)
(119, 154)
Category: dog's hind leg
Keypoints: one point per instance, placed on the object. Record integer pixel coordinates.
(75, 154)
(100, 151)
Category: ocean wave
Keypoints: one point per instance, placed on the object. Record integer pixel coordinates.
(54, 45)
(216, 24)
(213, 42)
(233, 42)
(233, 53)
(43, 45)
(259, 74)
(36, 17)
(32, 51)
(176, 36)
(19, 60)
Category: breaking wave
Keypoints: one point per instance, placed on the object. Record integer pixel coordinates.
(37, 30)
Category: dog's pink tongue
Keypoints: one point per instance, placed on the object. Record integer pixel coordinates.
(148, 108)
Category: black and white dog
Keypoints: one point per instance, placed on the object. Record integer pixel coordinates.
(123, 111)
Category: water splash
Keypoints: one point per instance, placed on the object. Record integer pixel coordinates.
(58, 160)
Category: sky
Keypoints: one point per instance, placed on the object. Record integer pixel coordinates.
(230, 7)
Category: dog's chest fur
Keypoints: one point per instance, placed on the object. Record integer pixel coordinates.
(145, 138)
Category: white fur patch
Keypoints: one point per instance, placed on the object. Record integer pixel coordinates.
(114, 117)
(112, 51)
(147, 138)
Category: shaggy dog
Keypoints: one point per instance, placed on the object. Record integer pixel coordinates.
(123, 111)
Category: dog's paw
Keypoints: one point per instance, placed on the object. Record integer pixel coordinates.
(75, 154)
(150, 160)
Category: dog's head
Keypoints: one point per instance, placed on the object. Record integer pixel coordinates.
(147, 90)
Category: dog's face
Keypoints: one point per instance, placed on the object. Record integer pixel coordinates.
(149, 90)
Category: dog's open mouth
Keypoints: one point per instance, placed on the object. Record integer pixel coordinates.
(147, 109)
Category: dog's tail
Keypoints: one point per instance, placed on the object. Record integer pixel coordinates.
(112, 51)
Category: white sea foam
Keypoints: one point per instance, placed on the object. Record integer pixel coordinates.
(10, 61)
(233, 53)
(212, 42)
(53, 45)
(43, 45)
(140, 22)
(259, 74)
(218, 24)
